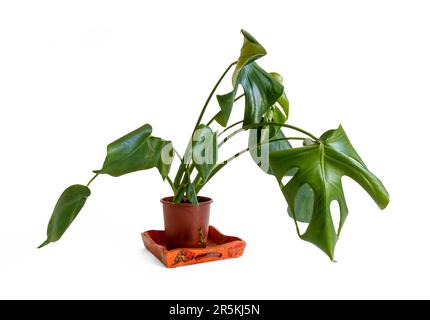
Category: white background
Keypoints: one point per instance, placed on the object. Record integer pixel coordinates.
(76, 75)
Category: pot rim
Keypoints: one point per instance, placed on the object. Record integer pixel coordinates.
(202, 201)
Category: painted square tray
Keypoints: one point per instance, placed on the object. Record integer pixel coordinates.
(219, 247)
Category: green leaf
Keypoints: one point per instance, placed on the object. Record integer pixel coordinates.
(67, 208)
(278, 116)
(225, 102)
(274, 115)
(282, 100)
(284, 103)
(303, 204)
(322, 166)
(251, 50)
(261, 92)
(205, 150)
(243, 74)
(135, 151)
(163, 165)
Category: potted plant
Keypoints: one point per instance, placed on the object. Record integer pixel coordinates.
(315, 167)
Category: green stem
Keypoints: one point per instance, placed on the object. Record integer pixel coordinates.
(92, 179)
(257, 145)
(225, 162)
(229, 127)
(301, 130)
(254, 126)
(186, 169)
(180, 172)
(238, 97)
(171, 185)
(211, 94)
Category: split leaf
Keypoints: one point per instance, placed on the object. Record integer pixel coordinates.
(321, 167)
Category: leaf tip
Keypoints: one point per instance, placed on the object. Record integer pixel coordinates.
(43, 244)
(383, 204)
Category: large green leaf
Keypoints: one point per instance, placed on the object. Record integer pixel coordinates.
(251, 50)
(303, 204)
(322, 166)
(261, 92)
(67, 208)
(205, 150)
(135, 151)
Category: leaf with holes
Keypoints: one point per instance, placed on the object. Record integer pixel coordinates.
(322, 166)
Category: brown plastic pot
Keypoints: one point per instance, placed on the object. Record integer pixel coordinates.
(185, 225)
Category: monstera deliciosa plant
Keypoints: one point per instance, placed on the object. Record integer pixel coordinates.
(315, 168)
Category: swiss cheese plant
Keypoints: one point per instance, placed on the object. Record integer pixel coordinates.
(314, 169)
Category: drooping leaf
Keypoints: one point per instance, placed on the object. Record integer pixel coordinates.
(322, 166)
(251, 50)
(303, 204)
(67, 208)
(135, 151)
(261, 92)
(205, 150)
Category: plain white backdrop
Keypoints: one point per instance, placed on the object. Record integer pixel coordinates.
(76, 75)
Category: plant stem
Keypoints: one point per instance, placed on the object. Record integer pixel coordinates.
(230, 126)
(211, 94)
(257, 145)
(301, 130)
(225, 162)
(186, 169)
(171, 185)
(231, 135)
(238, 97)
(180, 171)
(92, 179)
(254, 126)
